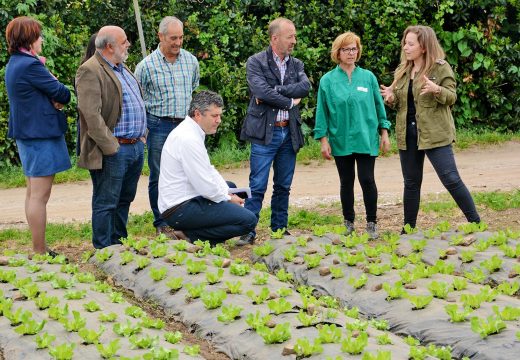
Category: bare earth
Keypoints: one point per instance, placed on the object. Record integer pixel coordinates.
(482, 169)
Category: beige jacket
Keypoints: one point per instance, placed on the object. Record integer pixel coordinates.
(100, 99)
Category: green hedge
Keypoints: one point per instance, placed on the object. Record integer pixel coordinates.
(481, 39)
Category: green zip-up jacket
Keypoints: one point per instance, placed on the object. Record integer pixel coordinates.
(435, 125)
(350, 112)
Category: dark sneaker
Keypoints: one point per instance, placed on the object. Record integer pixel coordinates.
(247, 239)
(372, 230)
(350, 227)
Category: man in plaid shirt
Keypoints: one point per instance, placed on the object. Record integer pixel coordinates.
(168, 77)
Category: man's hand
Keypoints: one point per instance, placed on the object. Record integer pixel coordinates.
(57, 105)
(296, 101)
(325, 148)
(236, 200)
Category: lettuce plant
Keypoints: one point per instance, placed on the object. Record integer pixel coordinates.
(140, 244)
(257, 320)
(508, 313)
(61, 283)
(456, 315)
(229, 313)
(482, 245)
(108, 317)
(221, 251)
(144, 342)
(174, 283)
(260, 297)
(379, 355)
(177, 258)
(301, 241)
(239, 268)
(91, 336)
(492, 264)
(476, 276)
(312, 260)
(398, 262)
(359, 282)
(151, 323)
(173, 337)
(260, 279)
(60, 259)
(418, 245)
(103, 255)
(278, 234)
(353, 312)
(194, 291)
(378, 269)
(328, 334)
(394, 292)
(101, 286)
(459, 283)
(442, 267)
(134, 311)
(284, 276)
(470, 228)
(57, 313)
(486, 327)
(279, 334)
(30, 291)
(116, 297)
(92, 306)
(30, 327)
(356, 345)
(384, 339)
(218, 262)
(260, 267)
(142, 262)
(357, 324)
(305, 319)
(46, 276)
(33, 268)
(17, 317)
(75, 294)
(381, 324)
(126, 257)
(126, 329)
(409, 230)
(509, 251)
(420, 302)
(467, 256)
(213, 299)
(214, 277)
(158, 250)
(488, 294)
(264, 249)
(290, 253)
(320, 230)
(439, 289)
(109, 350)
(69, 269)
(508, 288)
(43, 340)
(336, 272)
(62, 351)
(304, 348)
(16, 261)
(471, 300)
(158, 274)
(6, 305)
(161, 353)
(329, 301)
(192, 350)
(75, 324)
(85, 277)
(279, 306)
(181, 245)
(329, 249)
(233, 287)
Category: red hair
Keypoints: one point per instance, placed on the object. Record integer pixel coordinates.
(22, 32)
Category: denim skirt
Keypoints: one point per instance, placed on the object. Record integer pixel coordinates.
(43, 157)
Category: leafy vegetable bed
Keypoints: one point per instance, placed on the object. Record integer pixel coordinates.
(418, 283)
(245, 311)
(50, 309)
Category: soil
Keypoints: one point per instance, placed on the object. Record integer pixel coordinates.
(487, 168)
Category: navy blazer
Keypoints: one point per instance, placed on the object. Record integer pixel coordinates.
(30, 88)
(265, 84)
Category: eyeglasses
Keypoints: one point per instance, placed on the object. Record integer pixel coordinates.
(349, 50)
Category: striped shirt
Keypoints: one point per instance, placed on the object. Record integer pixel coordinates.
(132, 121)
(168, 87)
(282, 66)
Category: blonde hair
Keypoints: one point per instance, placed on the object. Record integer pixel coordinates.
(343, 40)
(432, 51)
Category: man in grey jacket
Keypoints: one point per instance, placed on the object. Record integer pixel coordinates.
(277, 83)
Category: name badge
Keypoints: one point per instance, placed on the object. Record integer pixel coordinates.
(361, 88)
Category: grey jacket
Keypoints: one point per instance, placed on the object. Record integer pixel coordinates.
(263, 78)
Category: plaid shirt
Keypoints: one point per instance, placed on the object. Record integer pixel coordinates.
(168, 87)
(282, 66)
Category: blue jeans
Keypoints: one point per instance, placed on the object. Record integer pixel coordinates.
(114, 188)
(158, 131)
(204, 219)
(443, 161)
(281, 154)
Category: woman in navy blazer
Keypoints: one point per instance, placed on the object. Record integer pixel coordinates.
(36, 121)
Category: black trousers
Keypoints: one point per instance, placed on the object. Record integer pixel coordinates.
(443, 161)
(347, 175)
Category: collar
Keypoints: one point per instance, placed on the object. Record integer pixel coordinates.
(112, 65)
(278, 59)
(164, 57)
(196, 126)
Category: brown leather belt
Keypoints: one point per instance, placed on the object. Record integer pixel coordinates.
(167, 213)
(172, 119)
(127, 141)
(283, 123)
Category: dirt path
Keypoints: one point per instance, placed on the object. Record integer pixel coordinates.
(482, 169)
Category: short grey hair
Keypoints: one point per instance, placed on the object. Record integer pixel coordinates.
(203, 100)
(103, 40)
(276, 24)
(166, 21)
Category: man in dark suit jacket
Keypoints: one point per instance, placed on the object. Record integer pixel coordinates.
(277, 82)
(112, 134)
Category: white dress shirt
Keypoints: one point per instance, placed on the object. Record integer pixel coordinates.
(186, 171)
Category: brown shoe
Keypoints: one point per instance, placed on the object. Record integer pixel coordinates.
(171, 233)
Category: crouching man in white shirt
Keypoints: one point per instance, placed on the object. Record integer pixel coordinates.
(194, 199)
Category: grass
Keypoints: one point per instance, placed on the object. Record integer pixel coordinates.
(233, 156)
(495, 200)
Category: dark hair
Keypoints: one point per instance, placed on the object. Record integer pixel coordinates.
(91, 48)
(22, 32)
(203, 100)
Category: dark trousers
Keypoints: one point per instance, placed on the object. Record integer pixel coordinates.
(443, 161)
(347, 175)
(203, 219)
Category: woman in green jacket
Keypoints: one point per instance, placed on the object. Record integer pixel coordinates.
(351, 125)
(423, 91)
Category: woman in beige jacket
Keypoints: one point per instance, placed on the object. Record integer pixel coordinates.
(423, 91)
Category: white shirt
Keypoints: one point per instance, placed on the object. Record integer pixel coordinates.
(186, 171)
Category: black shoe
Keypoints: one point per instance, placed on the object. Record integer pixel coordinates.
(247, 239)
